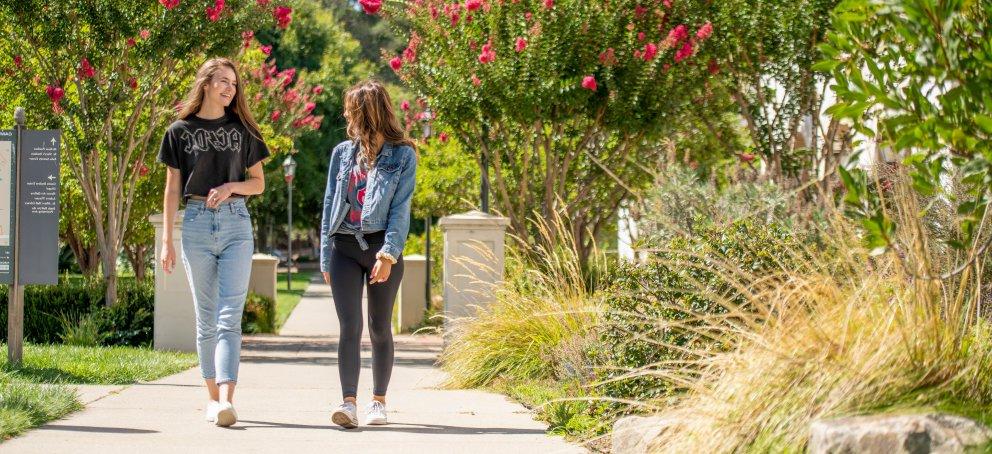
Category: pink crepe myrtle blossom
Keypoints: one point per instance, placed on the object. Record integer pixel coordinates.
(371, 6)
(589, 83)
(650, 50)
(86, 70)
(705, 31)
(520, 45)
(684, 53)
(213, 12)
(283, 17)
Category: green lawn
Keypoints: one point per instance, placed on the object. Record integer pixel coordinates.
(38, 392)
(26, 405)
(96, 365)
(286, 300)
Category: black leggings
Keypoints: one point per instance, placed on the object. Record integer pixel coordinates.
(351, 268)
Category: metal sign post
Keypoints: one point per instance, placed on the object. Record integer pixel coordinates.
(15, 297)
(29, 214)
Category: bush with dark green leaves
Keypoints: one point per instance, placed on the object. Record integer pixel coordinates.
(45, 306)
(259, 315)
(687, 277)
(129, 322)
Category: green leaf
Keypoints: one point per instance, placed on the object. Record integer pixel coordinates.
(984, 122)
(826, 65)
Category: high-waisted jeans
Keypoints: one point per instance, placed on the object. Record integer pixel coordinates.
(217, 249)
(350, 270)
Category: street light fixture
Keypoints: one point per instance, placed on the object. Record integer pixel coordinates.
(289, 172)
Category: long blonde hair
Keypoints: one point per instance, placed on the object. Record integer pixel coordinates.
(370, 115)
(238, 107)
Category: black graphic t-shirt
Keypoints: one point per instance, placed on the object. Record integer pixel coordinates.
(209, 153)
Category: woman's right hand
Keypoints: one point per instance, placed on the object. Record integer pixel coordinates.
(168, 257)
(327, 277)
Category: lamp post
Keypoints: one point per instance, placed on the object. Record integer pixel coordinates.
(289, 171)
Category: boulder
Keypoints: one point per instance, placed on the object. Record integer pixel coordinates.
(911, 434)
(633, 434)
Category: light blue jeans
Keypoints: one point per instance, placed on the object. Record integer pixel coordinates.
(217, 248)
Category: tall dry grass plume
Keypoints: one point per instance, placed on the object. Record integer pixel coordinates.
(846, 334)
(541, 320)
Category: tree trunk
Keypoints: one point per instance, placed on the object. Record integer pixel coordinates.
(86, 255)
(136, 257)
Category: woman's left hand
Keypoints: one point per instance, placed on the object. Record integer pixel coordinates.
(380, 271)
(218, 195)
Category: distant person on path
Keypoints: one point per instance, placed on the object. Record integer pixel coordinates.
(365, 223)
(214, 154)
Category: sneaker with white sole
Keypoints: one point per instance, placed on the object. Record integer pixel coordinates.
(211, 413)
(375, 413)
(346, 415)
(226, 416)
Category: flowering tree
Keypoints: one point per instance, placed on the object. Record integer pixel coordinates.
(565, 100)
(111, 73)
(768, 62)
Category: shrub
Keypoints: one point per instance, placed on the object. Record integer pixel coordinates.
(687, 280)
(132, 320)
(259, 314)
(838, 344)
(46, 305)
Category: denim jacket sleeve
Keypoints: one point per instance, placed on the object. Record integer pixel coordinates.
(325, 222)
(398, 223)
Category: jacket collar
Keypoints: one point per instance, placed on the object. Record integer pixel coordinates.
(385, 152)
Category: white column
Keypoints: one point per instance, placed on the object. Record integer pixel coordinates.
(413, 293)
(175, 322)
(263, 275)
(473, 261)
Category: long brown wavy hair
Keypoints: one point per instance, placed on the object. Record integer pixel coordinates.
(238, 107)
(371, 119)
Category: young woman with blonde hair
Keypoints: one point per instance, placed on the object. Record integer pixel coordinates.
(365, 223)
(214, 154)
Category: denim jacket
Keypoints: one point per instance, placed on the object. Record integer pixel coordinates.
(387, 200)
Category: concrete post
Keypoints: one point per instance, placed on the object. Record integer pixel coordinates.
(175, 321)
(263, 275)
(473, 261)
(413, 298)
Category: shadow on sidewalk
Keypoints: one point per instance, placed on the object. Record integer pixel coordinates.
(92, 429)
(331, 361)
(398, 427)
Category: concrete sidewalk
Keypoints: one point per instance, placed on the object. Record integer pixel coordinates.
(288, 385)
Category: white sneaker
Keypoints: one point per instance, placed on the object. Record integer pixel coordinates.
(226, 416)
(375, 413)
(211, 413)
(346, 415)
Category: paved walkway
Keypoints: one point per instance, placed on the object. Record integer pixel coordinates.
(289, 383)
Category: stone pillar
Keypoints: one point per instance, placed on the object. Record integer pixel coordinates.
(175, 321)
(263, 275)
(473, 261)
(413, 293)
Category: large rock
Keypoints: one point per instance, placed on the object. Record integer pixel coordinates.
(633, 434)
(913, 434)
